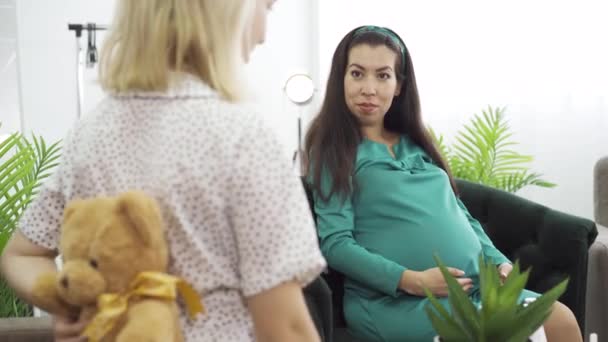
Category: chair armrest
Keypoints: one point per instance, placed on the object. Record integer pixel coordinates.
(562, 237)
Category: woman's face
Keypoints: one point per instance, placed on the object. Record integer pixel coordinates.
(256, 32)
(370, 83)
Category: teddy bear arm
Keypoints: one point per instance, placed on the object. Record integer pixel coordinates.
(46, 297)
(151, 321)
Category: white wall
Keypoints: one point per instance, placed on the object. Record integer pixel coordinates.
(289, 48)
(544, 60)
(9, 90)
(48, 57)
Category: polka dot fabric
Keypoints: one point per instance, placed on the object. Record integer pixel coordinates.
(237, 218)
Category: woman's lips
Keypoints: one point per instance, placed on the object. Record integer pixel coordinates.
(367, 107)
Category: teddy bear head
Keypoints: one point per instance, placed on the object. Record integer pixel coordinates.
(105, 242)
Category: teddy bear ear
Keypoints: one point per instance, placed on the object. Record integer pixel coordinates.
(144, 214)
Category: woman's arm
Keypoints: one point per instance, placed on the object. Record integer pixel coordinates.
(335, 227)
(280, 314)
(22, 262)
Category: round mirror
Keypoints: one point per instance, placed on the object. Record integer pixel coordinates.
(299, 88)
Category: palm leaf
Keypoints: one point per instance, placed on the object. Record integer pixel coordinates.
(440, 144)
(13, 170)
(25, 164)
(482, 153)
(10, 304)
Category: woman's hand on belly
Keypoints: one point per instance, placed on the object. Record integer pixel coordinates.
(414, 282)
(504, 270)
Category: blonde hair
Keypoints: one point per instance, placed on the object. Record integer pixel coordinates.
(150, 39)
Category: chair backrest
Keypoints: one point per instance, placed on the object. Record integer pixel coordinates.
(553, 244)
(509, 221)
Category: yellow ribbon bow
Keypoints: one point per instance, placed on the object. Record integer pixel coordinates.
(111, 306)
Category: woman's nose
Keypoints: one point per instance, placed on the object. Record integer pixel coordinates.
(368, 86)
(368, 90)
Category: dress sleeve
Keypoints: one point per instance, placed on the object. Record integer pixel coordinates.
(335, 226)
(490, 252)
(271, 220)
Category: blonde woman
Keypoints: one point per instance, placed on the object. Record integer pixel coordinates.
(238, 223)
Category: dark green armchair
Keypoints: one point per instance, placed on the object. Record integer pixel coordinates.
(554, 244)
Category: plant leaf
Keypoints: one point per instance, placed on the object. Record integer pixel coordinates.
(24, 165)
(482, 153)
(462, 307)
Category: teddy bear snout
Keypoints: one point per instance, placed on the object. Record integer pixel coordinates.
(79, 283)
(64, 282)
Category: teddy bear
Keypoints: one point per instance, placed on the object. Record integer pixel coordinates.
(115, 259)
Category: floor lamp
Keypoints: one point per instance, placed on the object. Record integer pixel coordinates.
(299, 89)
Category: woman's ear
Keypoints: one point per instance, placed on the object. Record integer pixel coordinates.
(398, 88)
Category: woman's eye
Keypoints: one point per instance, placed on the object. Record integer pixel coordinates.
(384, 76)
(356, 74)
(93, 263)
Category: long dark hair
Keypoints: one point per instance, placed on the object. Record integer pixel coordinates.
(334, 135)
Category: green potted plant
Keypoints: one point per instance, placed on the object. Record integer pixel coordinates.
(501, 317)
(24, 164)
(482, 153)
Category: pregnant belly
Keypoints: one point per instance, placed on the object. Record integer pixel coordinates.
(414, 243)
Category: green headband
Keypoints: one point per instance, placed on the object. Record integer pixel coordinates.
(385, 32)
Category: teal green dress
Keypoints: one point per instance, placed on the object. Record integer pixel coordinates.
(403, 210)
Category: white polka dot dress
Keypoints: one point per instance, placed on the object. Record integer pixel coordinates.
(237, 218)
